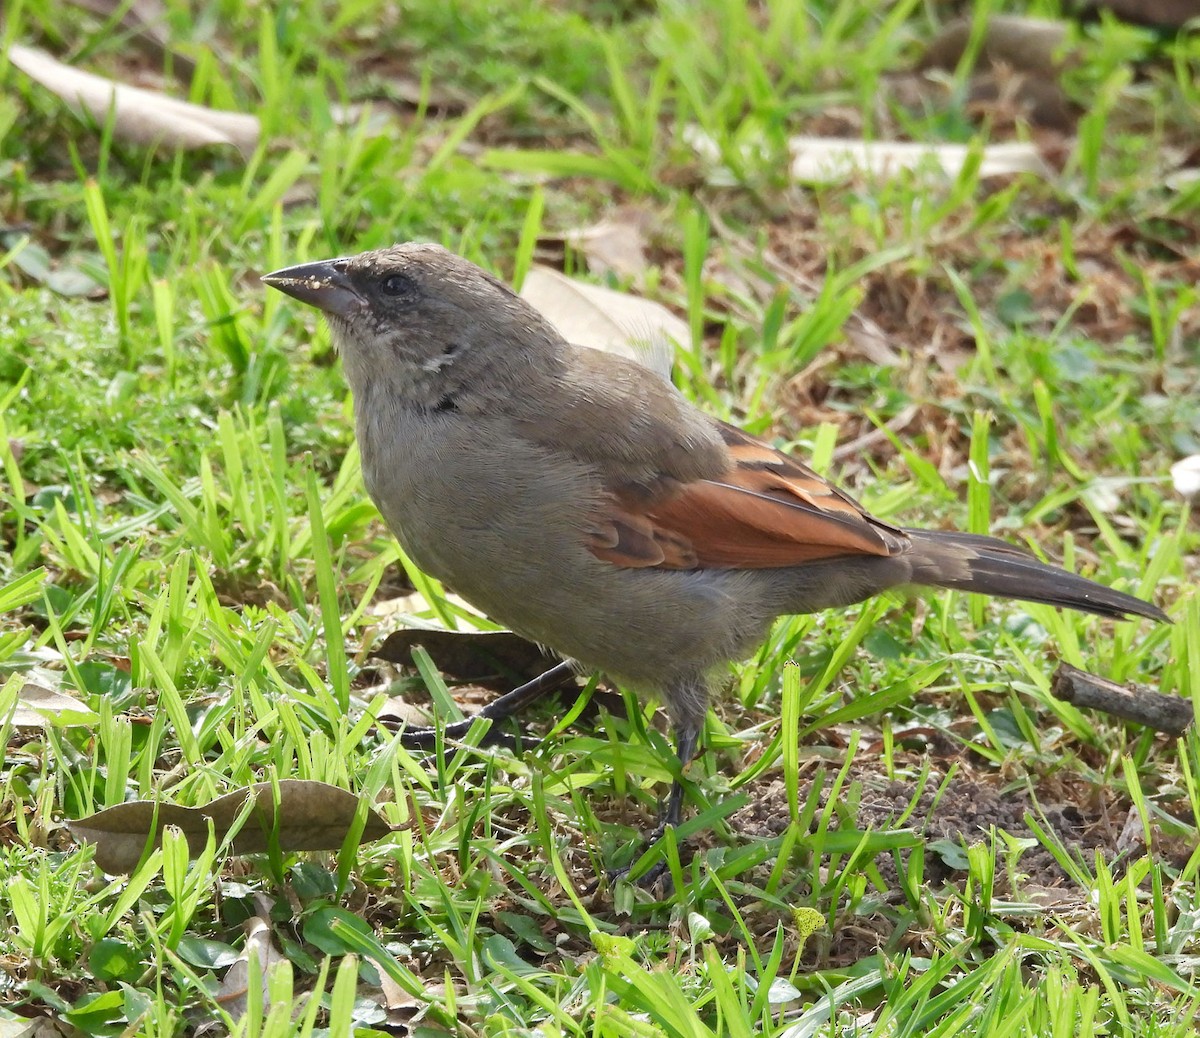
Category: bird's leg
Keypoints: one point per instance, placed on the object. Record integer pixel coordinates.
(687, 735)
(506, 706)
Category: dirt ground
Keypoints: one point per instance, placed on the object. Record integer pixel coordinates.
(949, 816)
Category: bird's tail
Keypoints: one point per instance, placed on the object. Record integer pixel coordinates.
(967, 562)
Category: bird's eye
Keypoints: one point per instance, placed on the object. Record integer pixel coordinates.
(397, 285)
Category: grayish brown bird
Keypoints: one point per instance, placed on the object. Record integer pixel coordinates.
(581, 500)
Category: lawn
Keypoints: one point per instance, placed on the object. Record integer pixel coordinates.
(896, 828)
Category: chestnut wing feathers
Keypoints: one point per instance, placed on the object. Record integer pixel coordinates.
(767, 510)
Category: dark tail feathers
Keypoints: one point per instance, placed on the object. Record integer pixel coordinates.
(967, 562)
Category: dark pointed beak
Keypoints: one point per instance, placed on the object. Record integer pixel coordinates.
(324, 284)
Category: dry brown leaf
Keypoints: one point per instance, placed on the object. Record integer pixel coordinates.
(1185, 475)
(867, 339)
(1017, 68)
(1162, 14)
(396, 711)
(40, 707)
(416, 604)
(402, 1009)
(827, 160)
(1005, 98)
(616, 244)
(616, 322)
(39, 1027)
(233, 994)
(64, 277)
(830, 160)
(372, 115)
(1029, 44)
(312, 816)
(139, 116)
(483, 657)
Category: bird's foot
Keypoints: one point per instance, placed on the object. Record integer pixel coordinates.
(657, 874)
(671, 817)
(506, 706)
(424, 738)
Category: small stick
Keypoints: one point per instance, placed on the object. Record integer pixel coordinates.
(1163, 713)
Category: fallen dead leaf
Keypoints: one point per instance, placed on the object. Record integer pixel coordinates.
(830, 160)
(1132, 838)
(484, 657)
(310, 816)
(39, 1027)
(1030, 44)
(374, 117)
(826, 160)
(65, 279)
(599, 317)
(1017, 68)
(139, 116)
(397, 711)
(1185, 475)
(1161, 14)
(39, 707)
(615, 245)
(234, 992)
(416, 604)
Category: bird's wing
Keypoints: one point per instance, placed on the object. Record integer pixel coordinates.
(619, 417)
(765, 510)
(685, 491)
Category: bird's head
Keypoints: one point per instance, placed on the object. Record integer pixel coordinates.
(422, 320)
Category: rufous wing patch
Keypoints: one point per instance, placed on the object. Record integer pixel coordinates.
(767, 511)
(628, 538)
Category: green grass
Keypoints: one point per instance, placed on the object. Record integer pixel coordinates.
(185, 544)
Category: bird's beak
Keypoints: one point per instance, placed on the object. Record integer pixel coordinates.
(324, 284)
